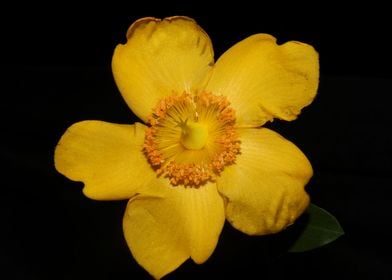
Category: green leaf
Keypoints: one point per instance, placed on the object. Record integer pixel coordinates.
(320, 229)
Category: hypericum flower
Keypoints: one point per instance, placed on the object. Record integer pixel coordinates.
(201, 155)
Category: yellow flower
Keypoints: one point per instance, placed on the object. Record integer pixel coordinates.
(201, 155)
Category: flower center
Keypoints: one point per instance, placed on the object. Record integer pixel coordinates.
(194, 135)
(191, 138)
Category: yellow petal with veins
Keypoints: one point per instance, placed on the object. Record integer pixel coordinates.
(263, 80)
(161, 57)
(265, 188)
(107, 157)
(164, 232)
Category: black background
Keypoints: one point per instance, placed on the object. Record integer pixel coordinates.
(55, 70)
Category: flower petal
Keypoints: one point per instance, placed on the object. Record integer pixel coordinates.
(163, 232)
(264, 80)
(161, 57)
(107, 157)
(265, 187)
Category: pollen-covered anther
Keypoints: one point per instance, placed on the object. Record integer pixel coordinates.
(191, 138)
(190, 174)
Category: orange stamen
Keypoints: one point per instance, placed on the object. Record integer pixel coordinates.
(162, 145)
